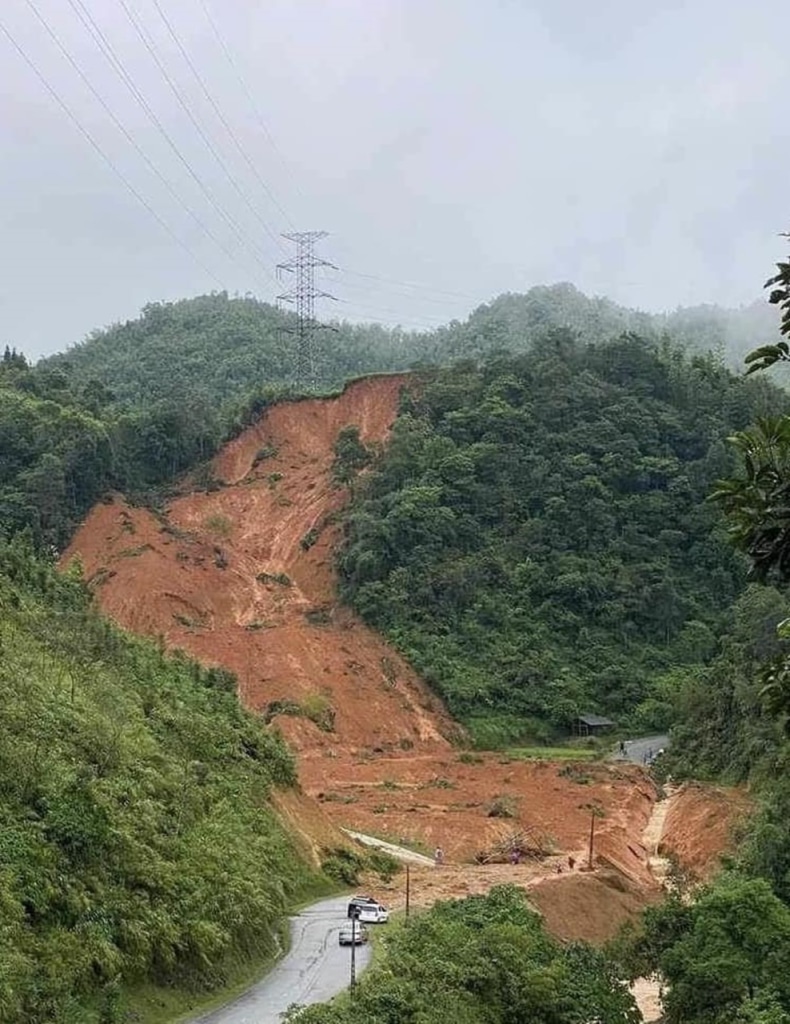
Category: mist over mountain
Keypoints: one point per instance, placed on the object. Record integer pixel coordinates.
(219, 347)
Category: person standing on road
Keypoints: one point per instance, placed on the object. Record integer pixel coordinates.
(438, 857)
(622, 748)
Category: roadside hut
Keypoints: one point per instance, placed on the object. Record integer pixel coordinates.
(592, 725)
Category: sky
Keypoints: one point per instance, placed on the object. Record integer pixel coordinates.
(452, 149)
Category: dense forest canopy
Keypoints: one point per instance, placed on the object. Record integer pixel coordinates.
(536, 537)
(136, 841)
(64, 442)
(213, 349)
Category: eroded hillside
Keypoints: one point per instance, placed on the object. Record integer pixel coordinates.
(242, 576)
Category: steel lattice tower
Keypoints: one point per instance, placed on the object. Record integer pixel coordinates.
(302, 296)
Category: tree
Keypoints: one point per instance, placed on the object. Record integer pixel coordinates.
(720, 956)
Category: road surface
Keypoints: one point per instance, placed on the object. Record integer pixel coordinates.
(638, 750)
(315, 969)
(399, 852)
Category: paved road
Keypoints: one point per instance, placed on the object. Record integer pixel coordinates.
(315, 969)
(400, 852)
(637, 750)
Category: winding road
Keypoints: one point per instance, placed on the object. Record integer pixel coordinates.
(315, 969)
(636, 750)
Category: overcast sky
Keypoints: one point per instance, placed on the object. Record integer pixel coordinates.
(453, 149)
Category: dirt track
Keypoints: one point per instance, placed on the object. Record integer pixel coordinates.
(243, 577)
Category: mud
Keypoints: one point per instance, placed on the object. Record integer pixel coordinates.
(699, 827)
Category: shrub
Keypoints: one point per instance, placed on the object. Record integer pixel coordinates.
(310, 538)
(502, 807)
(342, 865)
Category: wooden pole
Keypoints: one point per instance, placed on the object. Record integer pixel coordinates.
(408, 889)
(592, 840)
(353, 950)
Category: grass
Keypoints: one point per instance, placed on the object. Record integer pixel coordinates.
(149, 1004)
(551, 753)
(218, 524)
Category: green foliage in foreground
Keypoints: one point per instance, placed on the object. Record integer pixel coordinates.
(482, 960)
(137, 844)
(723, 956)
(536, 537)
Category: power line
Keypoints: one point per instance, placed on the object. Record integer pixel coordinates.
(228, 127)
(413, 284)
(372, 290)
(130, 14)
(428, 319)
(126, 134)
(108, 51)
(108, 160)
(250, 98)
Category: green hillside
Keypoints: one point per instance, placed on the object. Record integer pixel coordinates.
(213, 350)
(64, 443)
(137, 845)
(536, 538)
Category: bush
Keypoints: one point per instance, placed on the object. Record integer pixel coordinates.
(502, 807)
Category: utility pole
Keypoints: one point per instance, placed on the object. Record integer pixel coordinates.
(302, 297)
(592, 840)
(408, 888)
(354, 916)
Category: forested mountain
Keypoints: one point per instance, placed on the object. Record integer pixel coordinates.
(536, 538)
(134, 821)
(514, 322)
(213, 349)
(64, 442)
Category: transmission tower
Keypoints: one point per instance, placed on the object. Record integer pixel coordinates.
(302, 296)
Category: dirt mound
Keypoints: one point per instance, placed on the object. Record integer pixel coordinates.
(589, 908)
(698, 827)
(243, 577)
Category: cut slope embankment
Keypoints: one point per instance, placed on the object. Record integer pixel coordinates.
(699, 827)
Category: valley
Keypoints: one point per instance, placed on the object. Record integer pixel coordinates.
(241, 576)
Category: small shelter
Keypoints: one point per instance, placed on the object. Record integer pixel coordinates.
(592, 725)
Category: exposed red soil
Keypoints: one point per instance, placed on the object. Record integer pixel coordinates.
(427, 801)
(204, 578)
(699, 826)
(225, 576)
(590, 908)
(306, 820)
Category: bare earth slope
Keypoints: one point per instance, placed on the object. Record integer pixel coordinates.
(225, 576)
(242, 577)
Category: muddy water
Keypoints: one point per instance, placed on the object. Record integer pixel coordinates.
(647, 991)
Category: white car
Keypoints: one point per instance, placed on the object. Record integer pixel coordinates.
(373, 913)
(349, 936)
